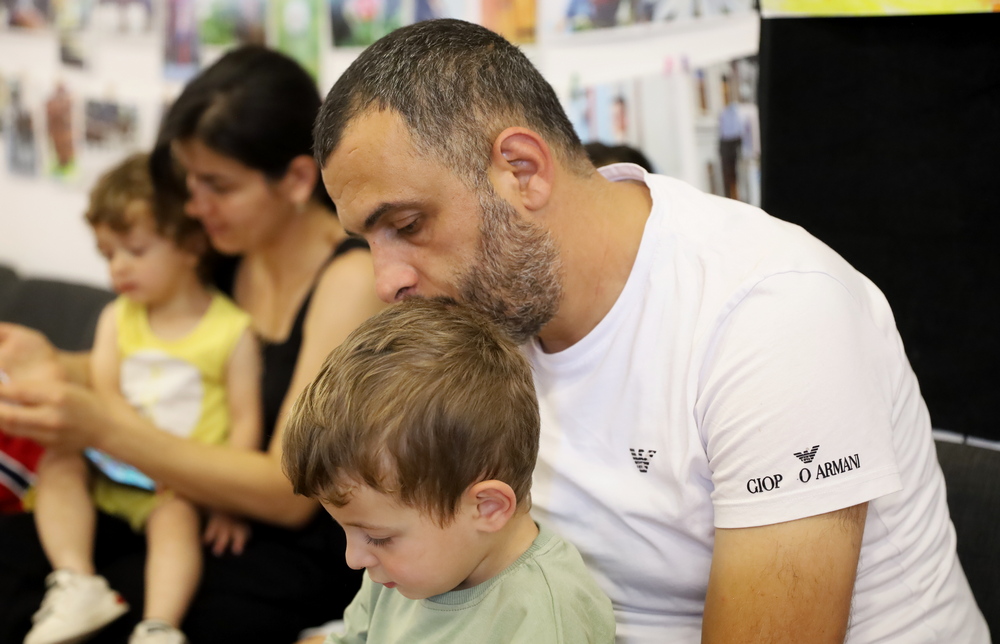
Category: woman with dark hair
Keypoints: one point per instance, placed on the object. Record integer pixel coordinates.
(236, 148)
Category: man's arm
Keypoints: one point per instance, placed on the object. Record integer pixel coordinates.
(784, 583)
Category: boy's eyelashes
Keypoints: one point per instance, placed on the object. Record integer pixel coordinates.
(378, 543)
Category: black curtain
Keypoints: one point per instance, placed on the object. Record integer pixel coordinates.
(881, 136)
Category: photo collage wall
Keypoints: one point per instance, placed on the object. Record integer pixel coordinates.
(699, 124)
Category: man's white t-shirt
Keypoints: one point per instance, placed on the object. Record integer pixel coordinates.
(746, 375)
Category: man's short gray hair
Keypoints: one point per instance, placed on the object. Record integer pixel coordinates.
(457, 86)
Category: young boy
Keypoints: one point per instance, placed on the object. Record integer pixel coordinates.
(185, 358)
(419, 437)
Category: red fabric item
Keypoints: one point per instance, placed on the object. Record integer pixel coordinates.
(18, 463)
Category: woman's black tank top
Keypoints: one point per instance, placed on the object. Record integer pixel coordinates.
(279, 358)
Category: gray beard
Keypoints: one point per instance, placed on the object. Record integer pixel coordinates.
(515, 279)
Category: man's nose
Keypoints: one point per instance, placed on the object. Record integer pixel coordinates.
(394, 279)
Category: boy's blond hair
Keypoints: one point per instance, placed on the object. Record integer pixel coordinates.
(125, 194)
(421, 401)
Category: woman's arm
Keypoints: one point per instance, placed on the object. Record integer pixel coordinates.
(26, 354)
(75, 365)
(65, 415)
(239, 481)
(344, 298)
(243, 393)
(224, 531)
(105, 361)
(251, 483)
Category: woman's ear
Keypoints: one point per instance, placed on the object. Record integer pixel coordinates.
(493, 504)
(300, 180)
(522, 167)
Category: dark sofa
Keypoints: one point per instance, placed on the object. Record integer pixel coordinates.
(65, 312)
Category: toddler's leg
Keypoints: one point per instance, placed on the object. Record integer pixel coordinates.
(173, 561)
(64, 511)
(77, 602)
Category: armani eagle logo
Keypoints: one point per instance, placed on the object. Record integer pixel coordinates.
(808, 455)
(642, 457)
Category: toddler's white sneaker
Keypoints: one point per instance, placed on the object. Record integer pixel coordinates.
(155, 631)
(75, 607)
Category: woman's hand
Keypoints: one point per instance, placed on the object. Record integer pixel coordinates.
(52, 412)
(27, 355)
(226, 532)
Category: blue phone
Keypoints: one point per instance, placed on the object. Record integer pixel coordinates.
(119, 472)
(112, 468)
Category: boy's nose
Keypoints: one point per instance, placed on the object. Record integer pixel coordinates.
(358, 557)
(117, 264)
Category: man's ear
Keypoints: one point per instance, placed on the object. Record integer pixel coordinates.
(299, 180)
(494, 504)
(522, 167)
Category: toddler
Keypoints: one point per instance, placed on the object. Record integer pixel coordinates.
(184, 357)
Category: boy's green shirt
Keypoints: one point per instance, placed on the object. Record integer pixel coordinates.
(547, 596)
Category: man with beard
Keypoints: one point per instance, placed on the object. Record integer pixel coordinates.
(729, 421)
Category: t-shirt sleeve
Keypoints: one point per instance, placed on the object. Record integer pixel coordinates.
(796, 402)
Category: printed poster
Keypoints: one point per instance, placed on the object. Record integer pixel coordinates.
(26, 14)
(727, 129)
(359, 23)
(606, 113)
(297, 24)
(779, 8)
(562, 16)
(698, 125)
(182, 47)
(228, 23)
(515, 20)
(115, 17)
(20, 132)
(60, 126)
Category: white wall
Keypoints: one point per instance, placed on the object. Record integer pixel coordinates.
(41, 219)
(42, 231)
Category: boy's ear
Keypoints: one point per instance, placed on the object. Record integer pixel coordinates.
(494, 503)
(522, 167)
